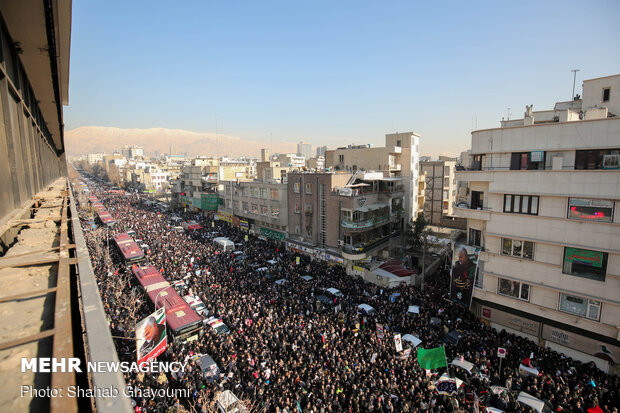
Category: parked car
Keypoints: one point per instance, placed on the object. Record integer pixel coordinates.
(217, 325)
(335, 292)
(454, 336)
(197, 305)
(210, 370)
(466, 370)
(365, 308)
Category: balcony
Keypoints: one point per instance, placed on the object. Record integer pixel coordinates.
(578, 183)
(366, 224)
(396, 149)
(395, 167)
(361, 249)
(463, 210)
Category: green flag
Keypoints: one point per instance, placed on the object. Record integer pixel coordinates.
(432, 358)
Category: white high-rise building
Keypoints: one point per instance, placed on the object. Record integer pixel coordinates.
(304, 149)
(544, 193)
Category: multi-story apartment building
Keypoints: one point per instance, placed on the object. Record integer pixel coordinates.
(544, 194)
(317, 164)
(94, 158)
(131, 152)
(290, 160)
(440, 190)
(260, 207)
(320, 151)
(399, 158)
(347, 216)
(237, 169)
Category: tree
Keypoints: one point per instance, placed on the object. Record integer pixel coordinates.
(415, 233)
(114, 174)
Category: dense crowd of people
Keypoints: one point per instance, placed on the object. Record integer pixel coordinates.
(289, 352)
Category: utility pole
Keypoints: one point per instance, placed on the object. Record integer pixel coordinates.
(574, 78)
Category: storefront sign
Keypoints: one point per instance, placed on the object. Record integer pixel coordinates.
(270, 233)
(244, 225)
(210, 202)
(513, 321)
(358, 270)
(584, 344)
(224, 217)
(329, 257)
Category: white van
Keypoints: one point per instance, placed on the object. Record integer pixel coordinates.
(224, 244)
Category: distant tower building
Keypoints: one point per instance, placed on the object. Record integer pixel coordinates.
(264, 155)
(304, 149)
(320, 151)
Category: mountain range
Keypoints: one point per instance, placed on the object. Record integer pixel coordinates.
(94, 139)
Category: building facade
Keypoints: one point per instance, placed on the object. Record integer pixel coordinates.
(350, 216)
(131, 152)
(544, 193)
(260, 207)
(440, 190)
(399, 158)
(304, 149)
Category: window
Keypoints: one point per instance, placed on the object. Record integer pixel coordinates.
(518, 248)
(595, 210)
(398, 143)
(296, 187)
(309, 231)
(274, 194)
(606, 93)
(585, 263)
(477, 199)
(255, 192)
(255, 208)
(264, 210)
(475, 237)
(236, 204)
(583, 307)
(245, 207)
(340, 158)
(297, 230)
(521, 204)
(245, 192)
(297, 208)
(514, 289)
(479, 281)
(275, 212)
(527, 160)
(263, 193)
(597, 159)
(309, 188)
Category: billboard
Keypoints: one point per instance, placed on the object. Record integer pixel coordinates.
(463, 274)
(151, 336)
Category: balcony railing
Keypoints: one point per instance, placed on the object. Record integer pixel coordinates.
(470, 206)
(366, 223)
(364, 246)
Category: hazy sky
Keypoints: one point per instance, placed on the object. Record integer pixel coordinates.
(332, 72)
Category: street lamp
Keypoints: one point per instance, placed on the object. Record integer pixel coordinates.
(157, 296)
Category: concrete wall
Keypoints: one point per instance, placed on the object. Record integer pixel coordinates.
(593, 93)
(27, 161)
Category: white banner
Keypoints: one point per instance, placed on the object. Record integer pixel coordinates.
(398, 342)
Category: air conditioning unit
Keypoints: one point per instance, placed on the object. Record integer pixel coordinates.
(340, 243)
(301, 239)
